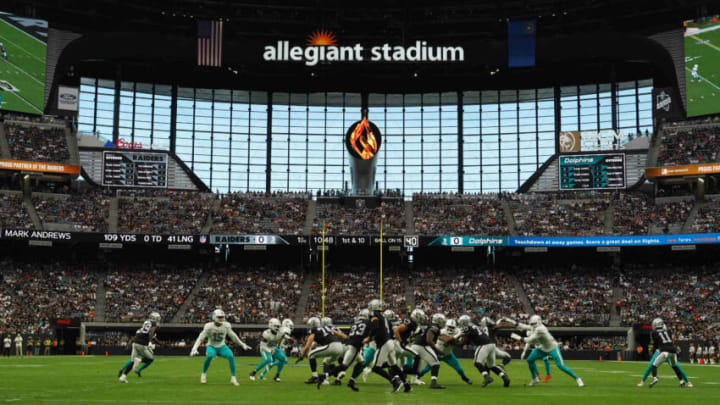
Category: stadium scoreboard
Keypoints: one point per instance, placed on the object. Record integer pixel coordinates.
(592, 172)
(134, 169)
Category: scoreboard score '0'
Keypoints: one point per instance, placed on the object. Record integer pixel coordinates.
(592, 172)
(134, 169)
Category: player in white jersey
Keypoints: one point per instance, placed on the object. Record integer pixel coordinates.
(547, 346)
(18, 345)
(280, 355)
(216, 332)
(695, 75)
(269, 345)
(7, 342)
(691, 353)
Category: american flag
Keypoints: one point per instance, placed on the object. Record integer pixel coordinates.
(209, 43)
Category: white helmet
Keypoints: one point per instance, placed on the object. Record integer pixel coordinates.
(418, 316)
(389, 315)
(535, 321)
(274, 324)
(375, 305)
(288, 323)
(154, 316)
(314, 322)
(451, 326)
(658, 323)
(364, 314)
(326, 321)
(438, 320)
(218, 316)
(695, 67)
(464, 321)
(485, 322)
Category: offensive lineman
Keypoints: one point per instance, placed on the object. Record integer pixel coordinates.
(216, 332)
(328, 345)
(483, 338)
(353, 351)
(449, 337)
(666, 351)
(547, 346)
(424, 343)
(142, 348)
(380, 332)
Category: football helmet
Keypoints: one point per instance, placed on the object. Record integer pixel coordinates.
(389, 315)
(451, 326)
(218, 316)
(314, 322)
(658, 323)
(438, 320)
(274, 324)
(288, 323)
(535, 321)
(364, 314)
(464, 321)
(485, 322)
(375, 305)
(418, 316)
(326, 321)
(154, 316)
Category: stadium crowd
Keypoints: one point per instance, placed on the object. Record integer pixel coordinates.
(361, 221)
(12, 212)
(278, 213)
(86, 212)
(459, 214)
(707, 218)
(351, 287)
(247, 295)
(175, 213)
(575, 296)
(133, 291)
(37, 144)
(690, 146)
(457, 291)
(553, 214)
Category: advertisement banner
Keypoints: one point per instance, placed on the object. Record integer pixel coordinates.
(68, 98)
(569, 141)
(685, 170)
(592, 241)
(39, 167)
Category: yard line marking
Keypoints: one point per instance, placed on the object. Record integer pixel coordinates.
(31, 36)
(21, 48)
(705, 79)
(705, 42)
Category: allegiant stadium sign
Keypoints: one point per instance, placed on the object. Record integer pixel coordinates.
(321, 47)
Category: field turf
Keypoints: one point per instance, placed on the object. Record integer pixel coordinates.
(703, 49)
(175, 380)
(24, 70)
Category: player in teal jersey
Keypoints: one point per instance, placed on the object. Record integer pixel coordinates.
(216, 332)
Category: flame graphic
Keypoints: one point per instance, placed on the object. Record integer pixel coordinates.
(321, 38)
(368, 143)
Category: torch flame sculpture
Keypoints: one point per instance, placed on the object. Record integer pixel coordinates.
(363, 141)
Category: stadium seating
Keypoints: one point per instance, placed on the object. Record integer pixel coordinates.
(176, 213)
(260, 213)
(37, 144)
(707, 218)
(247, 295)
(560, 214)
(454, 292)
(361, 221)
(86, 212)
(133, 291)
(12, 212)
(690, 146)
(457, 214)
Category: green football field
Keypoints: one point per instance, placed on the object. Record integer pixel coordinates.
(22, 76)
(703, 49)
(175, 380)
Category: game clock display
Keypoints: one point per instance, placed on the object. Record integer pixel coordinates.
(592, 172)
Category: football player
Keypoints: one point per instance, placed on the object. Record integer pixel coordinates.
(381, 333)
(353, 351)
(280, 356)
(142, 348)
(404, 332)
(215, 332)
(483, 338)
(448, 338)
(547, 347)
(662, 337)
(328, 345)
(691, 353)
(694, 73)
(424, 343)
(269, 349)
(3, 51)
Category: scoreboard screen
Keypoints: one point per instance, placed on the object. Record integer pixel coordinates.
(134, 169)
(592, 172)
